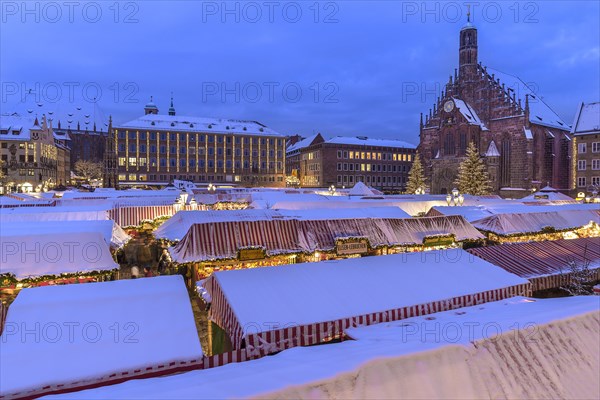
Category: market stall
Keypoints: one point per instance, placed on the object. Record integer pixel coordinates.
(59, 257)
(536, 226)
(270, 309)
(209, 247)
(544, 264)
(85, 336)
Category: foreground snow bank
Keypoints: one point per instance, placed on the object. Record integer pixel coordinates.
(560, 360)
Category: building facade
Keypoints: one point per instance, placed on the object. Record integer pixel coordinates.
(157, 149)
(525, 144)
(32, 159)
(78, 124)
(586, 148)
(344, 161)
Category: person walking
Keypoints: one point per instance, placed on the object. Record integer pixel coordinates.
(164, 262)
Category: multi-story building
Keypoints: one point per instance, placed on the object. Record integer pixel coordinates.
(344, 161)
(586, 148)
(78, 124)
(32, 160)
(525, 144)
(156, 149)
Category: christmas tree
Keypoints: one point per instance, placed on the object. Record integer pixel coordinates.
(416, 177)
(472, 177)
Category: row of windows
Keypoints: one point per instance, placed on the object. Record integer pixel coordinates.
(376, 180)
(30, 146)
(371, 167)
(172, 162)
(198, 178)
(200, 137)
(582, 165)
(192, 150)
(361, 155)
(582, 181)
(582, 147)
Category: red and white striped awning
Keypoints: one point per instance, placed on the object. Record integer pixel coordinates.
(537, 260)
(223, 239)
(211, 241)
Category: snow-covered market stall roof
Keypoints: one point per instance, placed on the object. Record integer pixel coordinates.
(96, 333)
(382, 349)
(177, 226)
(32, 254)
(303, 304)
(476, 212)
(515, 223)
(112, 233)
(222, 240)
(58, 213)
(543, 260)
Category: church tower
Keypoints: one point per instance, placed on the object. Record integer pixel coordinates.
(467, 51)
(150, 108)
(172, 108)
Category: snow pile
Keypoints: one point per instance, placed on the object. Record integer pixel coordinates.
(62, 334)
(557, 356)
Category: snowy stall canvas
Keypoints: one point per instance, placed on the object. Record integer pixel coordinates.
(269, 309)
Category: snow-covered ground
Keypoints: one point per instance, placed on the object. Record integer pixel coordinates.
(63, 334)
(513, 348)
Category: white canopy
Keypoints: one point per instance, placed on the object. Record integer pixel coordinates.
(52, 254)
(89, 331)
(112, 232)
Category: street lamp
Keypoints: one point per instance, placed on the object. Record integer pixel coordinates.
(331, 190)
(211, 188)
(455, 199)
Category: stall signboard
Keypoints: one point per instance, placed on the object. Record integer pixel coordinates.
(251, 254)
(431, 241)
(541, 197)
(352, 246)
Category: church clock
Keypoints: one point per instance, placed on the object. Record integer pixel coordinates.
(449, 106)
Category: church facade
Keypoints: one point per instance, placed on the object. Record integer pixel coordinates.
(525, 144)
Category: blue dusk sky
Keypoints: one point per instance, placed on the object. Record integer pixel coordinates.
(339, 68)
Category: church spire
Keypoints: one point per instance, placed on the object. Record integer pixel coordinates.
(171, 108)
(467, 52)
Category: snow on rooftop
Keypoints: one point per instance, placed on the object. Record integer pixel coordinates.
(38, 254)
(177, 226)
(111, 232)
(302, 143)
(68, 110)
(133, 324)
(198, 124)
(15, 127)
(587, 119)
(508, 207)
(406, 340)
(365, 141)
(351, 287)
(539, 112)
(492, 150)
(515, 222)
(469, 113)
